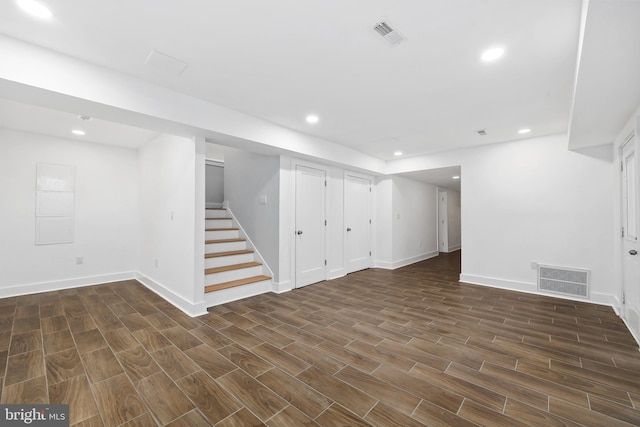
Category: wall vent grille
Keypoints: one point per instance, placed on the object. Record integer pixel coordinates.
(388, 33)
(565, 281)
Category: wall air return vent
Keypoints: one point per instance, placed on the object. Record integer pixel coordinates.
(566, 281)
(388, 33)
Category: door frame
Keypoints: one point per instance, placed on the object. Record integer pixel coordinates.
(369, 178)
(294, 187)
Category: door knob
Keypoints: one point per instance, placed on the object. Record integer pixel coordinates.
(299, 232)
(348, 228)
(633, 252)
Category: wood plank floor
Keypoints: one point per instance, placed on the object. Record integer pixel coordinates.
(385, 348)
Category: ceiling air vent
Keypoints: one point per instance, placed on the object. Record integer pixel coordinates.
(388, 33)
(481, 132)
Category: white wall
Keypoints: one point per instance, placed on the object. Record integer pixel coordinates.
(106, 215)
(453, 220)
(406, 221)
(214, 184)
(248, 177)
(532, 200)
(167, 220)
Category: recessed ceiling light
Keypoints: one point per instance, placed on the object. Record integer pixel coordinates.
(397, 153)
(522, 131)
(312, 118)
(492, 54)
(456, 177)
(78, 132)
(35, 8)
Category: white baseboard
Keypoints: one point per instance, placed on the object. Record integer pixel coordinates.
(282, 287)
(192, 309)
(335, 274)
(404, 262)
(58, 285)
(454, 248)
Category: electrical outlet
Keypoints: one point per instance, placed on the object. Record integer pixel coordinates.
(534, 265)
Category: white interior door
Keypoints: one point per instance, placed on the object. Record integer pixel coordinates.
(357, 220)
(630, 246)
(443, 222)
(310, 225)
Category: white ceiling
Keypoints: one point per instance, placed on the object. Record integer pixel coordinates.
(283, 59)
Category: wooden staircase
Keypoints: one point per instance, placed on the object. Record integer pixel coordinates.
(232, 270)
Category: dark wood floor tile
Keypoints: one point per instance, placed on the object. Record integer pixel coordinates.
(629, 382)
(81, 323)
(164, 398)
(242, 418)
(579, 383)
(436, 395)
(337, 390)
(270, 336)
(246, 360)
(241, 337)
(299, 335)
(144, 420)
(328, 334)
(501, 386)
(238, 320)
(28, 341)
(24, 366)
(89, 340)
(63, 365)
(5, 338)
(58, 341)
(75, 310)
(3, 364)
(582, 415)
(432, 415)
(534, 416)
(192, 418)
(181, 338)
(174, 362)
(135, 322)
(76, 393)
(137, 363)
(210, 337)
(33, 392)
(118, 401)
(160, 321)
(635, 399)
(27, 324)
(382, 332)
(212, 362)
(289, 417)
(107, 321)
(349, 357)
(574, 396)
(280, 358)
(53, 324)
(95, 421)
(314, 357)
(381, 356)
(121, 309)
(25, 311)
(297, 393)
(212, 400)
(101, 364)
(338, 415)
(120, 339)
(414, 354)
(385, 415)
(615, 410)
(215, 321)
(256, 397)
(262, 319)
(484, 416)
(151, 338)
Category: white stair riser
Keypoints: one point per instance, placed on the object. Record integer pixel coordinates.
(228, 276)
(215, 214)
(224, 247)
(227, 260)
(233, 294)
(218, 223)
(220, 234)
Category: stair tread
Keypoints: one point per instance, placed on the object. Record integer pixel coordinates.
(221, 229)
(232, 267)
(228, 253)
(234, 283)
(224, 241)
